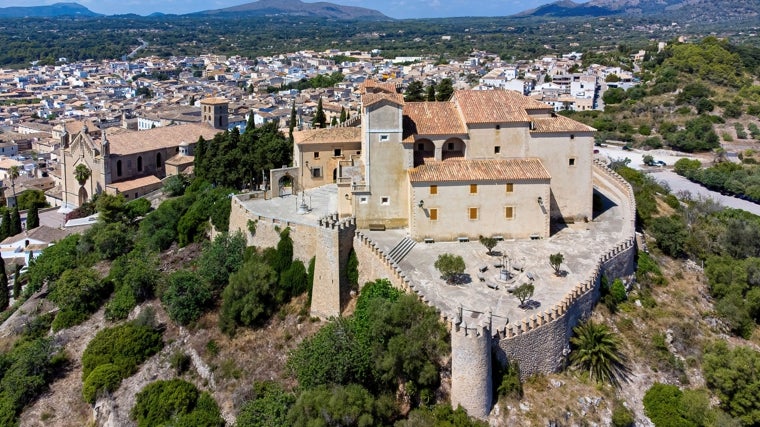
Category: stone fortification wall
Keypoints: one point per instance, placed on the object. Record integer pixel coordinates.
(330, 290)
(267, 234)
(471, 368)
(374, 263)
(547, 333)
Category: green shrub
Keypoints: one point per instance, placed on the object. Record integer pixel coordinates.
(180, 362)
(622, 416)
(125, 346)
(175, 402)
(349, 405)
(294, 280)
(121, 304)
(440, 415)
(251, 297)
(352, 270)
(269, 406)
(221, 258)
(78, 293)
(104, 378)
(186, 297)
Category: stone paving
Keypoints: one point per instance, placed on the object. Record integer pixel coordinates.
(581, 244)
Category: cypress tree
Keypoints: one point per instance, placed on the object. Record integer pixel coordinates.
(17, 282)
(4, 294)
(334, 121)
(343, 115)
(250, 125)
(292, 120)
(5, 226)
(33, 217)
(320, 120)
(15, 222)
(198, 161)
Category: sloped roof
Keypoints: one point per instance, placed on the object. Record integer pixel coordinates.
(517, 169)
(432, 118)
(132, 184)
(496, 106)
(373, 98)
(127, 143)
(559, 124)
(329, 135)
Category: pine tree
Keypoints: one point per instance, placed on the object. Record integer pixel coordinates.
(343, 115)
(320, 120)
(445, 89)
(5, 226)
(33, 217)
(414, 92)
(15, 222)
(4, 294)
(430, 93)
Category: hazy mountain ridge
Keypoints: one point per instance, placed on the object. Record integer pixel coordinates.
(299, 8)
(682, 10)
(50, 11)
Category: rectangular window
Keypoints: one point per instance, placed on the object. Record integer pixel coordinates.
(363, 200)
(384, 138)
(433, 214)
(385, 201)
(473, 188)
(433, 189)
(571, 162)
(509, 212)
(316, 154)
(473, 213)
(510, 187)
(497, 149)
(336, 152)
(316, 173)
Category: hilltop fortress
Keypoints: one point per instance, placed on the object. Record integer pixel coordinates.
(405, 182)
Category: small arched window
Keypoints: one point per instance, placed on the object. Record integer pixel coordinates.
(118, 168)
(139, 163)
(158, 161)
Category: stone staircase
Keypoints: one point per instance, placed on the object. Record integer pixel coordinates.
(401, 250)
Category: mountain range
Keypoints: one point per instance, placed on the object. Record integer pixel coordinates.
(682, 10)
(257, 8)
(698, 11)
(53, 10)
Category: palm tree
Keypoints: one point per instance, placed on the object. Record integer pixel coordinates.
(13, 173)
(597, 349)
(82, 173)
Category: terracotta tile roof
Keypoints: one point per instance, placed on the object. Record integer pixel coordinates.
(559, 124)
(214, 101)
(373, 98)
(127, 143)
(496, 106)
(373, 85)
(132, 184)
(480, 170)
(329, 135)
(432, 118)
(180, 159)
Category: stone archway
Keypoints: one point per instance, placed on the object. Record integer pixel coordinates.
(279, 179)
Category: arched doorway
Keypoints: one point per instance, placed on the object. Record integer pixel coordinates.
(83, 196)
(285, 184)
(335, 175)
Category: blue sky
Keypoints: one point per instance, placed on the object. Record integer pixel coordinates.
(392, 8)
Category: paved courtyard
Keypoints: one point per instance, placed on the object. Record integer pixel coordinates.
(581, 244)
